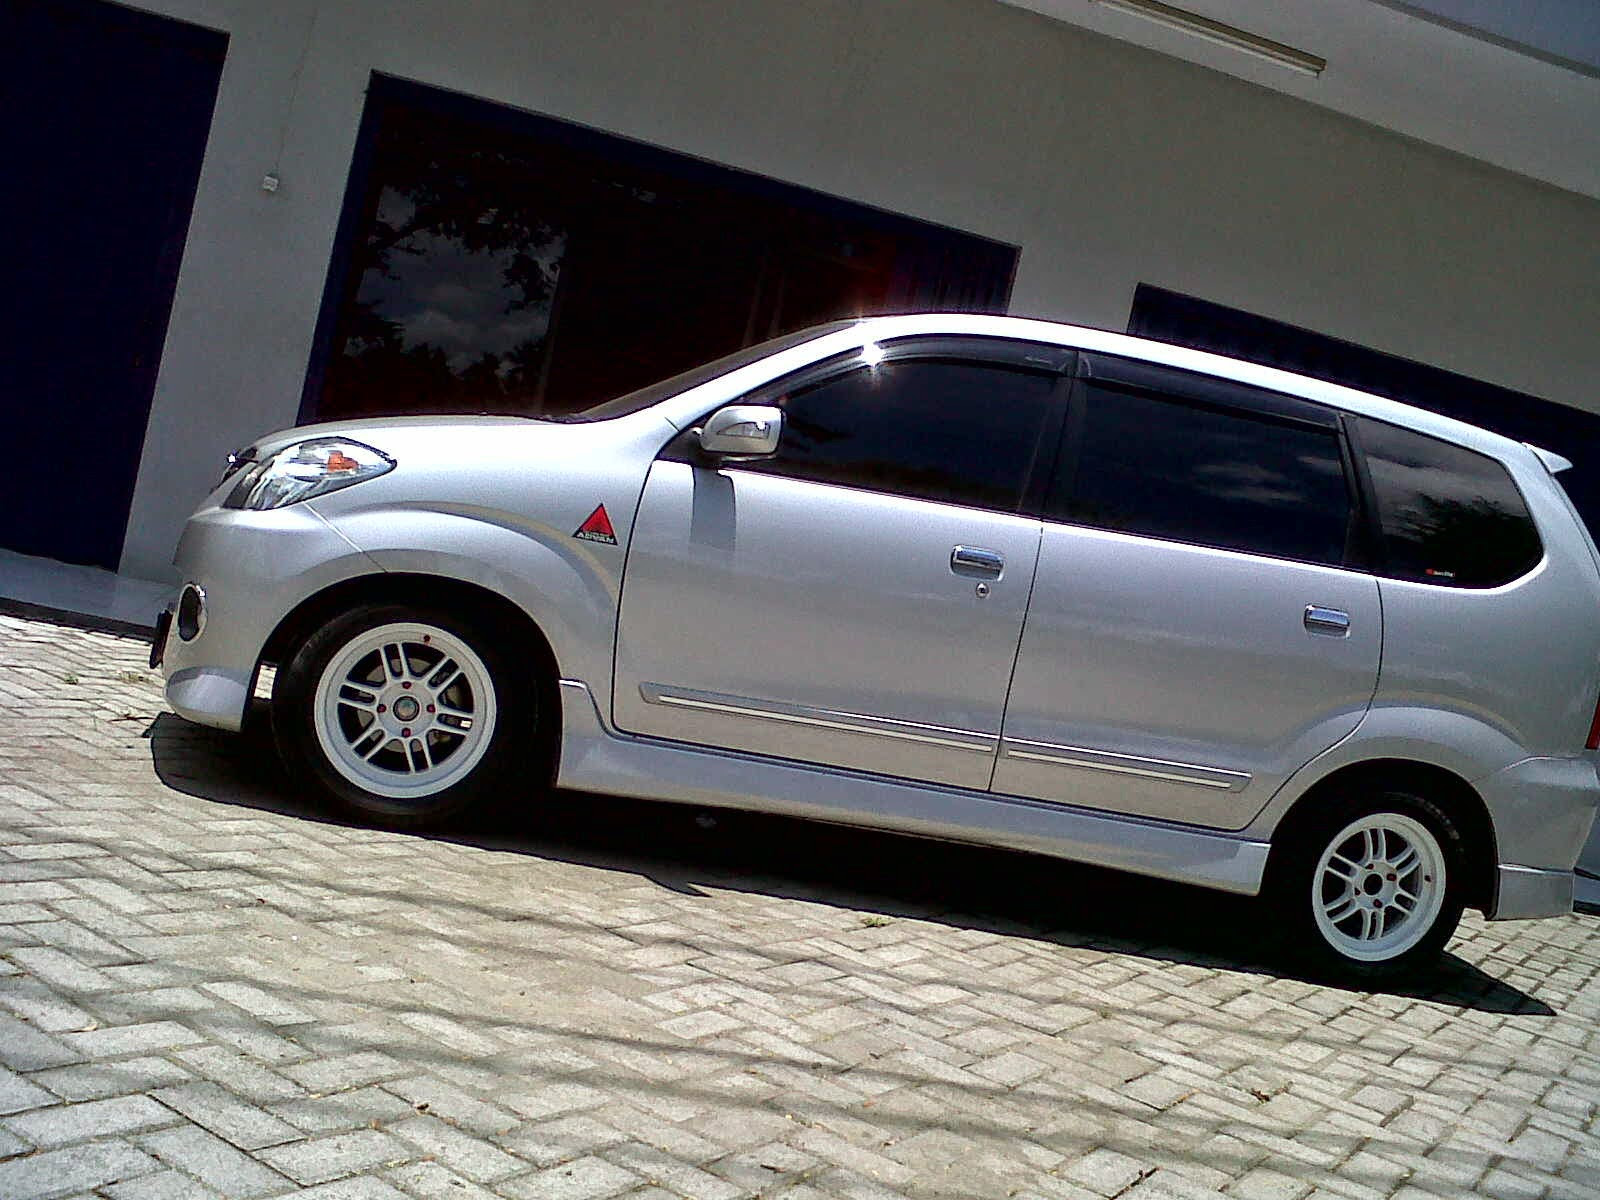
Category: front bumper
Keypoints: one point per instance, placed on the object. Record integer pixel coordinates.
(254, 568)
(158, 640)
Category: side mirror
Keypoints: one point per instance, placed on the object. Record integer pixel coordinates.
(742, 431)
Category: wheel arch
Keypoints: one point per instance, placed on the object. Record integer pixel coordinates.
(440, 591)
(1458, 798)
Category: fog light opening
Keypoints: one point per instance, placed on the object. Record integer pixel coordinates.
(191, 611)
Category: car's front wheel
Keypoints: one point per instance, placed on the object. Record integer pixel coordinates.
(1373, 887)
(402, 715)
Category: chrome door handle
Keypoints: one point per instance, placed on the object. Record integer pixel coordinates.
(1328, 621)
(972, 560)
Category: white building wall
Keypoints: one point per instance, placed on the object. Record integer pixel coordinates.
(1107, 164)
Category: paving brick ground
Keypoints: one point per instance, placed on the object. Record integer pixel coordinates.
(209, 989)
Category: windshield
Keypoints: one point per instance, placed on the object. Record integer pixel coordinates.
(642, 399)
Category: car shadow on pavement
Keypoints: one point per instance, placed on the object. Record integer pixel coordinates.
(881, 876)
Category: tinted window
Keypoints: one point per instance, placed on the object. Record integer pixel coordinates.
(1449, 515)
(1216, 478)
(959, 433)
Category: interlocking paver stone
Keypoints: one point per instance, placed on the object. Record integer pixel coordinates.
(209, 990)
(94, 1081)
(131, 1039)
(232, 1119)
(162, 1185)
(339, 1154)
(17, 1093)
(342, 1110)
(215, 1163)
(365, 1188)
(586, 1178)
(62, 1172)
(260, 1003)
(24, 1048)
(431, 1181)
(473, 1157)
(345, 1070)
(97, 1118)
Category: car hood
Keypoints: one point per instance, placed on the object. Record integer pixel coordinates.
(375, 430)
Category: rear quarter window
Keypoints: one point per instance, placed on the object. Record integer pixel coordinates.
(1447, 515)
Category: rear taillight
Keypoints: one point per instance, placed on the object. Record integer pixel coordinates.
(1594, 730)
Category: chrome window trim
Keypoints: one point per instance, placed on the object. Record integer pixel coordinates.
(821, 718)
(1126, 764)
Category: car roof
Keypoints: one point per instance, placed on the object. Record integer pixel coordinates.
(1081, 337)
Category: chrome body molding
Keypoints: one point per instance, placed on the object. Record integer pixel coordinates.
(820, 718)
(1126, 764)
(598, 758)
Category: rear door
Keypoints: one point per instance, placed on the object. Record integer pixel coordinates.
(855, 601)
(1200, 625)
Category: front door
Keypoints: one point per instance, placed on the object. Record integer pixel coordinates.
(1198, 630)
(856, 600)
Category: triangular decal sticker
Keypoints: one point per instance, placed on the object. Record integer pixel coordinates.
(597, 528)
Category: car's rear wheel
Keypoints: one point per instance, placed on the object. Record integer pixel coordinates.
(1373, 885)
(403, 715)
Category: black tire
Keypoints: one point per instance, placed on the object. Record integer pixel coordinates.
(1298, 884)
(503, 753)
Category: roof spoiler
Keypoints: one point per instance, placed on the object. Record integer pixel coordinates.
(1552, 461)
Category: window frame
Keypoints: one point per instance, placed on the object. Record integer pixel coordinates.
(1215, 393)
(1039, 358)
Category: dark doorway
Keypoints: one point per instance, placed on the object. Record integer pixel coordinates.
(104, 114)
(1570, 432)
(493, 260)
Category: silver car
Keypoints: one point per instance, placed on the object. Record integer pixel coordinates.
(974, 578)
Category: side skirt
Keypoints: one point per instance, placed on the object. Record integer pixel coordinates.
(596, 758)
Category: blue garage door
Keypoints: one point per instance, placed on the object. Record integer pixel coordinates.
(103, 120)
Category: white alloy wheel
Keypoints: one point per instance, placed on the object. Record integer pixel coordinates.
(1378, 887)
(404, 710)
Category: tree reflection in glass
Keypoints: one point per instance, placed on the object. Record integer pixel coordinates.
(505, 262)
(457, 275)
(1450, 515)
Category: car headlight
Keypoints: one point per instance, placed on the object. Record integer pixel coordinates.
(307, 469)
(238, 460)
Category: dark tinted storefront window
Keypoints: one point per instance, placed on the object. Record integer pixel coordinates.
(455, 282)
(952, 432)
(496, 261)
(1218, 478)
(1449, 515)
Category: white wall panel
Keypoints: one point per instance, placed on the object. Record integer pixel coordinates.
(1107, 164)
